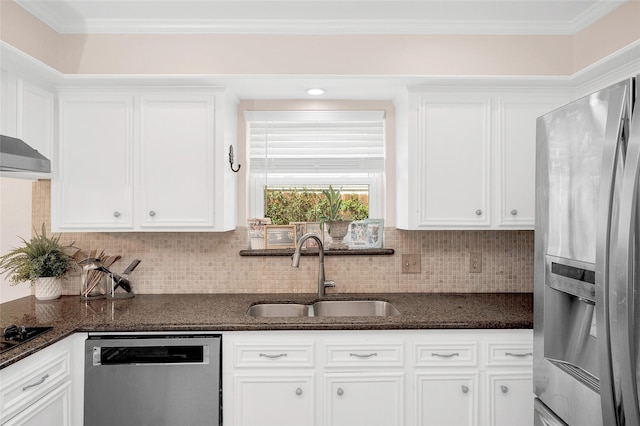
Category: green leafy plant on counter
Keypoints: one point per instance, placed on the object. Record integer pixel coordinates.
(41, 256)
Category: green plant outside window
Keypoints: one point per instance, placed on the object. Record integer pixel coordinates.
(287, 205)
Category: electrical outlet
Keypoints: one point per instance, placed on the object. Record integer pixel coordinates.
(410, 263)
(475, 262)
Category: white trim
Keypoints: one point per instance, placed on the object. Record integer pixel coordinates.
(350, 115)
(314, 26)
(619, 65)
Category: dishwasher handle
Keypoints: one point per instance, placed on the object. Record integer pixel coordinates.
(150, 355)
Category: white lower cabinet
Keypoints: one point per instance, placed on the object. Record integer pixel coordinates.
(52, 409)
(45, 388)
(280, 399)
(510, 399)
(386, 377)
(447, 398)
(363, 399)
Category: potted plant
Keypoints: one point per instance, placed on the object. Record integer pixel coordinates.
(337, 227)
(43, 261)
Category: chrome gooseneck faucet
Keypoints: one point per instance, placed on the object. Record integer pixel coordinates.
(295, 262)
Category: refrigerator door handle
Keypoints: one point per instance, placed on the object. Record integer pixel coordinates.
(612, 162)
(625, 271)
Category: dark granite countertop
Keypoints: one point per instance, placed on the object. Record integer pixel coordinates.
(227, 312)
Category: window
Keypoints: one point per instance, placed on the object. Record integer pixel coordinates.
(310, 150)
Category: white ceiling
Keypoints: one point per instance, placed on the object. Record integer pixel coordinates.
(320, 16)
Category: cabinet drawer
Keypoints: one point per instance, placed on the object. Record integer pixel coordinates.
(446, 354)
(509, 353)
(250, 355)
(29, 380)
(387, 354)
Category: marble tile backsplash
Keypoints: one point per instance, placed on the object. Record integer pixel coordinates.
(192, 262)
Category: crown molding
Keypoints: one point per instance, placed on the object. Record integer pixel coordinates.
(43, 11)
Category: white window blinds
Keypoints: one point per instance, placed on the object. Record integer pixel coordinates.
(316, 142)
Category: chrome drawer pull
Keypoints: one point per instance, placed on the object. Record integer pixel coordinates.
(504, 389)
(364, 355)
(273, 356)
(298, 391)
(340, 392)
(522, 355)
(38, 383)
(465, 389)
(445, 355)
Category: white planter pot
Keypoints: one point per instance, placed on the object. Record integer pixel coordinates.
(48, 288)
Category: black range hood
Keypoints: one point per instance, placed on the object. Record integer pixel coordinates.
(17, 156)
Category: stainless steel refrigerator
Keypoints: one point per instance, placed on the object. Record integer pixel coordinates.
(587, 261)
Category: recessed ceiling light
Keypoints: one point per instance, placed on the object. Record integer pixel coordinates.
(315, 92)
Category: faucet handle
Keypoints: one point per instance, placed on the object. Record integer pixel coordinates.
(329, 283)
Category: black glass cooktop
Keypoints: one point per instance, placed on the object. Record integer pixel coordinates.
(14, 336)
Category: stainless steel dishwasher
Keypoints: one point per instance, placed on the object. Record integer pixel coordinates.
(168, 379)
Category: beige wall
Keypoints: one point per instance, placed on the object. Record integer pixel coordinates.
(22, 30)
(320, 54)
(308, 54)
(15, 203)
(610, 34)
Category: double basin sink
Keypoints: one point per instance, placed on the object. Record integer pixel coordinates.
(325, 308)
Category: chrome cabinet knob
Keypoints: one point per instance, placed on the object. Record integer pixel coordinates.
(152, 213)
(340, 392)
(514, 212)
(298, 391)
(116, 214)
(465, 389)
(479, 212)
(504, 389)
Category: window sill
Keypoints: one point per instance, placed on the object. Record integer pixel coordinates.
(312, 252)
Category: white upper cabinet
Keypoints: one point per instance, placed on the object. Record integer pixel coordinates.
(515, 156)
(467, 160)
(176, 160)
(453, 160)
(144, 160)
(93, 188)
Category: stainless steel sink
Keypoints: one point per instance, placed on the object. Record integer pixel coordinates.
(325, 308)
(279, 310)
(354, 308)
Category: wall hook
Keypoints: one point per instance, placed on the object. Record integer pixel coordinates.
(231, 160)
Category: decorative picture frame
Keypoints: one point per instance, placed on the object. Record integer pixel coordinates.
(301, 229)
(365, 234)
(316, 228)
(279, 236)
(255, 228)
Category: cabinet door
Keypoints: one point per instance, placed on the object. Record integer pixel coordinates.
(273, 400)
(52, 410)
(453, 151)
(516, 157)
(35, 117)
(365, 399)
(511, 399)
(447, 399)
(93, 187)
(176, 161)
